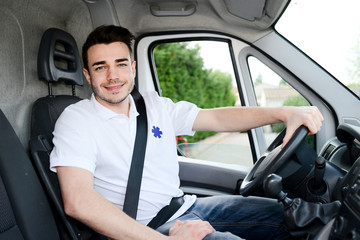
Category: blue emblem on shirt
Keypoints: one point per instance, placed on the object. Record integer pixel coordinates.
(156, 131)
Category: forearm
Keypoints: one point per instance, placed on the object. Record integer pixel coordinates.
(105, 218)
(86, 205)
(108, 220)
(236, 119)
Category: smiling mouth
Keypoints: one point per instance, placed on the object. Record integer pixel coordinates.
(114, 88)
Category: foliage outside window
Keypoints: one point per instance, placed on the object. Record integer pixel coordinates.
(183, 76)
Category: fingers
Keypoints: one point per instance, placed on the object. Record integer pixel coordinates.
(191, 230)
(288, 135)
(175, 228)
(178, 223)
(313, 120)
(310, 117)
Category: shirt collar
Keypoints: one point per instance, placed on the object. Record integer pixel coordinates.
(106, 113)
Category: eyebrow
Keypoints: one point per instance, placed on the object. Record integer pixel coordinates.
(103, 62)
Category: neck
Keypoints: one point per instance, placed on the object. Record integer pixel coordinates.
(122, 107)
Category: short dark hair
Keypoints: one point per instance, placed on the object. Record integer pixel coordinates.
(106, 34)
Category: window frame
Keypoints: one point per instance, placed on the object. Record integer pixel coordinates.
(223, 38)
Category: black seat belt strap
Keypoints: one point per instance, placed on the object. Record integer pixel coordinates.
(137, 163)
(166, 213)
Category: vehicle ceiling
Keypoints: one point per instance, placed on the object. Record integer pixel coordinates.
(248, 19)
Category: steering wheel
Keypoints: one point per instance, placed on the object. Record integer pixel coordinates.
(272, 159)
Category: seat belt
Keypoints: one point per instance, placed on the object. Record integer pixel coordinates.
(166, 212)
(137, 163)
(136, 170)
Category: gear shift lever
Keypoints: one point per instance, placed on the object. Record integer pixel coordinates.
(302, 218)
(273, 187)
(317, 185)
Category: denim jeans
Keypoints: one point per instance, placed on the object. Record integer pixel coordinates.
(237, 217)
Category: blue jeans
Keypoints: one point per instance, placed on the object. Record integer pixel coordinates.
(236, 217)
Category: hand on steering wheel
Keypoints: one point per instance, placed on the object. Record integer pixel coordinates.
(272, 159)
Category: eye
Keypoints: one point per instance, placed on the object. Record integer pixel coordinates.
(99, 68)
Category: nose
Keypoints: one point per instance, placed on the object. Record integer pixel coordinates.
(112, 73)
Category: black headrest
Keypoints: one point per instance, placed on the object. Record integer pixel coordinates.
(58, 58)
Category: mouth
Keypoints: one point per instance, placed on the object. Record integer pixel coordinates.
(113, 88)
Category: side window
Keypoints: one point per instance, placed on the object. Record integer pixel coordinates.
(273, 91)
(202, 72)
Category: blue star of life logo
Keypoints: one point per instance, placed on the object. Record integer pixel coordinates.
(156, 131)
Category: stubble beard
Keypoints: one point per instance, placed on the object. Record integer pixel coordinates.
(98, 94)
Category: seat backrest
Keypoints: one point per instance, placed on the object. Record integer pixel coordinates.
(58, 61)
(25, 212)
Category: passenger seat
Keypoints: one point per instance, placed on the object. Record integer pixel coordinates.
(25, 213)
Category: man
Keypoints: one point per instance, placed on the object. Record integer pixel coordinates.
(94, 142)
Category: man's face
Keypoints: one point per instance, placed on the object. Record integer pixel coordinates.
(111, 73)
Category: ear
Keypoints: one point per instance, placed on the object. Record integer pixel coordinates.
(87, 75)
(133, 67)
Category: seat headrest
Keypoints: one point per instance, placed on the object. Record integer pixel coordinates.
(58, 58)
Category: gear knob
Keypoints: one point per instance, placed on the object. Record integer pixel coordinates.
(273, 188)
(273, 185)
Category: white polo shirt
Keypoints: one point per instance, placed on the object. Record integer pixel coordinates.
(90, 136)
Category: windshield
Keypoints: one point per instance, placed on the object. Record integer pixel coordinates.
(328, 31)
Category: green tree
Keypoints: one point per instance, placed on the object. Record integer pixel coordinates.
(175, 65)
(182, 76)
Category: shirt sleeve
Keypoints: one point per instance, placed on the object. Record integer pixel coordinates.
(73, 145)
(182, 114)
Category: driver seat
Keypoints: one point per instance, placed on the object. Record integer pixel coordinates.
(58, 61)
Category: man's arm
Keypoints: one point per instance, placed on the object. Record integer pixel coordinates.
(83, 203)
(237, 119)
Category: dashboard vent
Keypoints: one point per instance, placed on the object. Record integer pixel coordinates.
(328, 151)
